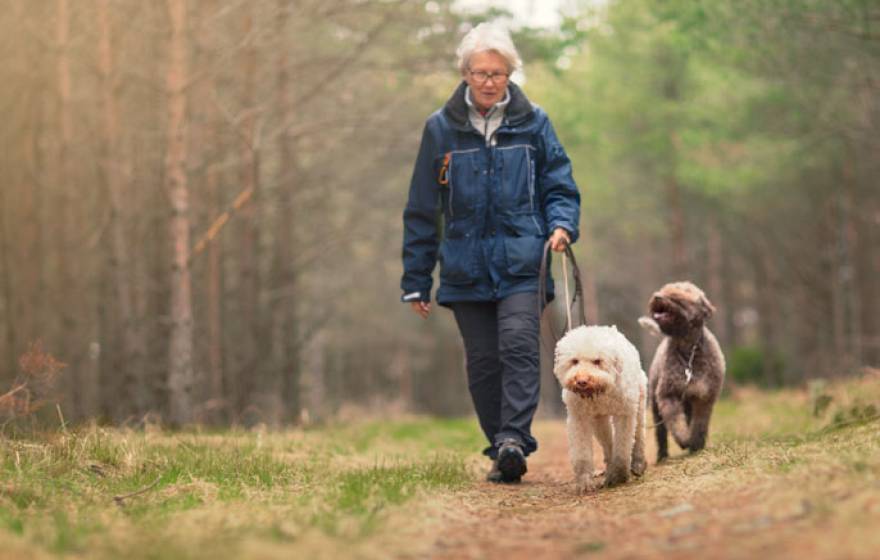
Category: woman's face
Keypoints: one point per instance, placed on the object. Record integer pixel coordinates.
(487, 76)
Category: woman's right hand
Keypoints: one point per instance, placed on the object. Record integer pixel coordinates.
(423, 308)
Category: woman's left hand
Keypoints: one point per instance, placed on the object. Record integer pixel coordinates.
(559, 240)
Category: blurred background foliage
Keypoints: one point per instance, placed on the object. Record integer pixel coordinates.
(733, 143)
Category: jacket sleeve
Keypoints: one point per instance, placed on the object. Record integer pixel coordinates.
(560, 198)
(420, 224)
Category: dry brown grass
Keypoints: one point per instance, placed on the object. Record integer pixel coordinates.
(778, 480)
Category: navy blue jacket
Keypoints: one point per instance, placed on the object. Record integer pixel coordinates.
(498, 204)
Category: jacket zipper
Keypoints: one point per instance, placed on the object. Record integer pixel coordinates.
(532, 191)
(531, 183)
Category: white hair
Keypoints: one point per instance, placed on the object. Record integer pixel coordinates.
(488, 37)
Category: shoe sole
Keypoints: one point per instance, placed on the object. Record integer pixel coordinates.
(512, 465)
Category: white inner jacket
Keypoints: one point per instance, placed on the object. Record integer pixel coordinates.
(487, 124)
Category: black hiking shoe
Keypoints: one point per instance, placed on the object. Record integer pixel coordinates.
(511, 461)
(494, 474)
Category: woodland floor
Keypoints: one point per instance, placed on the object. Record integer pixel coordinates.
(782, 477)
(733, 502)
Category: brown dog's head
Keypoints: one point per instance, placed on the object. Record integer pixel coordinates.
(680, 307)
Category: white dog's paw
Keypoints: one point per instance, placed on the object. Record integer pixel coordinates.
(638, 466)
(586, 485)
(616, 475)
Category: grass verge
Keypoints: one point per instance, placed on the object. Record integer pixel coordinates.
(107, 493)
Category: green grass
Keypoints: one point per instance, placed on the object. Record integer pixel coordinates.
(59, 490)
(780, 434)
(329, 491)
(364, 493)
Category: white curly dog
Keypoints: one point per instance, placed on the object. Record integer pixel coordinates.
(604, 390)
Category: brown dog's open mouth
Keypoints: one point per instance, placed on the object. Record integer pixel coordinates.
(663, 310)
(661, 316)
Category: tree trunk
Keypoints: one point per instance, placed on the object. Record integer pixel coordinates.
(286, 336)
(677, 228)
(8, 309)
(180, 358)
(31, 260)
(648, 283)
(250, 371)
(588, 279)
(839, 283)
(848, 264)
(207, 144)
(869, 267)
(65, 185)
(768, 309)
(133, 350)
(312, 382)
(215, 299)
(716, 287)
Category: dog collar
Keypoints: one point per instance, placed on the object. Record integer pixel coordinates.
(688, 369)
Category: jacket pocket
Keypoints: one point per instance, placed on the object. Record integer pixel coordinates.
(464, 180)
(517, 178)
(458, 261)
(524, 225)
(524, 255)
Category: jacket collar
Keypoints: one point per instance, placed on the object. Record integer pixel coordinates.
(500, 106)
(518, 111)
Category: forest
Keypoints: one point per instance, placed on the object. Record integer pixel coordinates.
(200, 200)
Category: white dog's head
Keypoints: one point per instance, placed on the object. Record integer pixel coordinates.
(591, 360)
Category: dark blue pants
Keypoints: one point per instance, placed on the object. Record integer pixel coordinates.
(501, 341)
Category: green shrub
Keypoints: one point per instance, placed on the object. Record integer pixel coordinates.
(757, 366)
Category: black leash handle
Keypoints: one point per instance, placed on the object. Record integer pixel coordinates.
(578, 297)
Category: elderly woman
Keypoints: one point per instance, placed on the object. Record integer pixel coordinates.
(491, 162)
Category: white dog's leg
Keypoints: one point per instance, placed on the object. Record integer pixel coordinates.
(580, 449)
(638, 454)
(621, 452)
(604, 435)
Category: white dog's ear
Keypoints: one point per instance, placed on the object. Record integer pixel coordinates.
(616, 365)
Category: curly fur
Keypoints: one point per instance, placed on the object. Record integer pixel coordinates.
(681, 404)
(604, 391)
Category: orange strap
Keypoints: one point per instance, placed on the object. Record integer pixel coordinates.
(443, 177)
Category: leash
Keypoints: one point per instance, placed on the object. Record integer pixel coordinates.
(576, 301)
(578, 297)
(565, 278)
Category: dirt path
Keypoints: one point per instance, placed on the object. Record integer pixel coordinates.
(691, 507)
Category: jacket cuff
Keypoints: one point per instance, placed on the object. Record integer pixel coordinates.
(572, 231)
(416, 296)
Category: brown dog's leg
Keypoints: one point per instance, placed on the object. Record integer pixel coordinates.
(672, 411)
(701, 412)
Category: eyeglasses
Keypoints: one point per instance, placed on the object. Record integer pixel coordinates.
(480, 77)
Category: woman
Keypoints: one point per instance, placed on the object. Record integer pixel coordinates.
(491, 162)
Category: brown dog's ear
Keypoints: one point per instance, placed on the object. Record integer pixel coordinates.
(708, 308)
